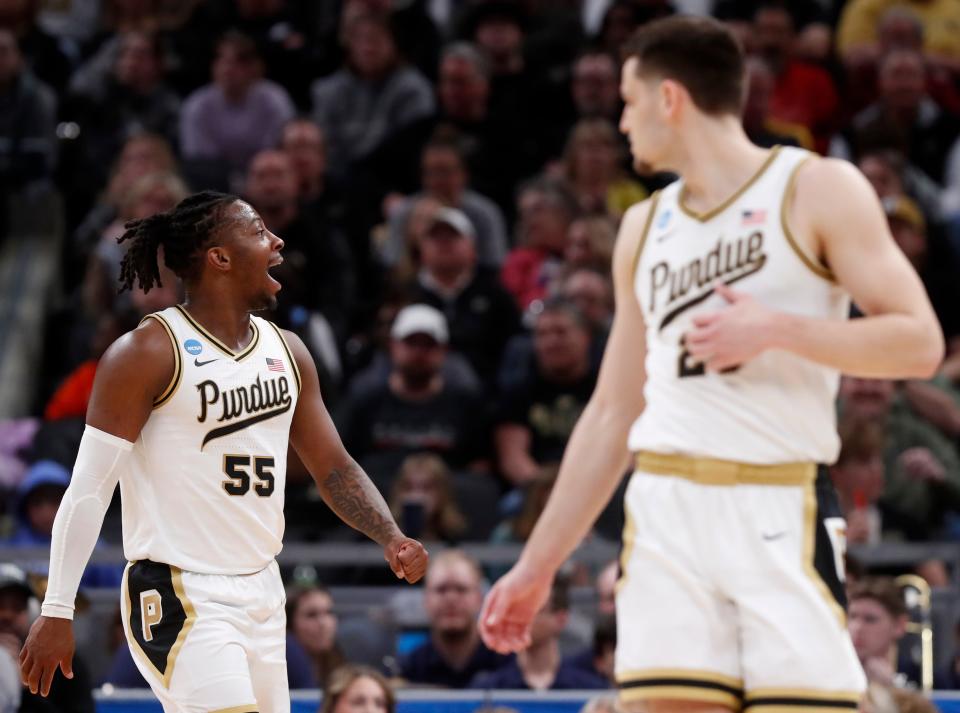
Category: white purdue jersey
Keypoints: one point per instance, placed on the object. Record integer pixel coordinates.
(775, 408)
(205, 490)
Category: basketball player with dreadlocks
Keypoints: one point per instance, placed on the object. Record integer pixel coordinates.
(192, 413)
(733, 286)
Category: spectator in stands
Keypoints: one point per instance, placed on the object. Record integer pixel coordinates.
(41, 51)
(595, 86)
(859, 479)
(422, 500)
(28, 113)
(546, 210)
(590, 242)
(591, 292)
(763, 129)
(240, 113)
(17, 605)
(358, 689)
(891, 176)
(857, 32)
(877, 621)
(540, 667)
(127, 95)
(932, 260)
(481, 314)
(141, 154)
(518, 528)
(906, 119)
(416, 409)
(496, 154)
(312, 621)
(317, 273)
(921, 467)
(454, 654)
(444, 176)
(374, 95)
(536, 417)
(305, 145)
(592, 167)
(148, 194)
(802, 93)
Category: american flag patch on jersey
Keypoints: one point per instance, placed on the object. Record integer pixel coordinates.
(275, 364)
(753, 217)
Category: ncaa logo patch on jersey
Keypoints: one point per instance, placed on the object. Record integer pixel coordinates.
(664, 219)
(193, 346)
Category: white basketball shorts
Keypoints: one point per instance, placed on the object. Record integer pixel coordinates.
(732, 588)
(208, 643)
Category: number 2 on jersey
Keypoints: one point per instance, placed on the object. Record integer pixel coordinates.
(239, 483)
(686, 366)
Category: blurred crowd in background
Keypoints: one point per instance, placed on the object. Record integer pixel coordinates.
(448, 177)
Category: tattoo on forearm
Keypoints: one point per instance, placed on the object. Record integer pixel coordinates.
(352, 495)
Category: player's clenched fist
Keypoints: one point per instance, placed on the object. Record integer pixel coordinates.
(407, 558)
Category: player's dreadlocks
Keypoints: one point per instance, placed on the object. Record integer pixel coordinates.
(183, 232)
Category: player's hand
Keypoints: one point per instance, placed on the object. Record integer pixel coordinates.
(49, 645)
(510, 607)
(407, 558)
(727, 338)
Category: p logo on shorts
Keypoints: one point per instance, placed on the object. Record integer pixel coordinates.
(151, 612)
(160, 624)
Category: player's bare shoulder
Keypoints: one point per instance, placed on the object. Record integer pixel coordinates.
(143, 359)
(826, 187)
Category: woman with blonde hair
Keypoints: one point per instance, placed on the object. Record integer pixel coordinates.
(357, 689)
(592, 166)
(422, 499)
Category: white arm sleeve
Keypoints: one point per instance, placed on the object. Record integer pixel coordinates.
(77, 526)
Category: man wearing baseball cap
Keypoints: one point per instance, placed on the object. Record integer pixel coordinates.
(416, 410)
(481, 313)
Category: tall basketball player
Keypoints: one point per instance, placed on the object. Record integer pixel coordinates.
(732, 287)
(192, 413)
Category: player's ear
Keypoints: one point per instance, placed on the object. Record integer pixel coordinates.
(218, 258)
(672, 96)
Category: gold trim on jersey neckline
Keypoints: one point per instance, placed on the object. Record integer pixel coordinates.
(713, 471)
(174, 384)
(236, 356)
(707, 215)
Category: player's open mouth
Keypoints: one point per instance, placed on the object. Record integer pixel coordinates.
(276, 262)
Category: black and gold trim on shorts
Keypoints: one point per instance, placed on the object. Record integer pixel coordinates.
(237, 709)
(286, 348)
(797, 700)
(159, 615)
(236, 356)
(171, 388)
(681, 685)
(819, 559)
